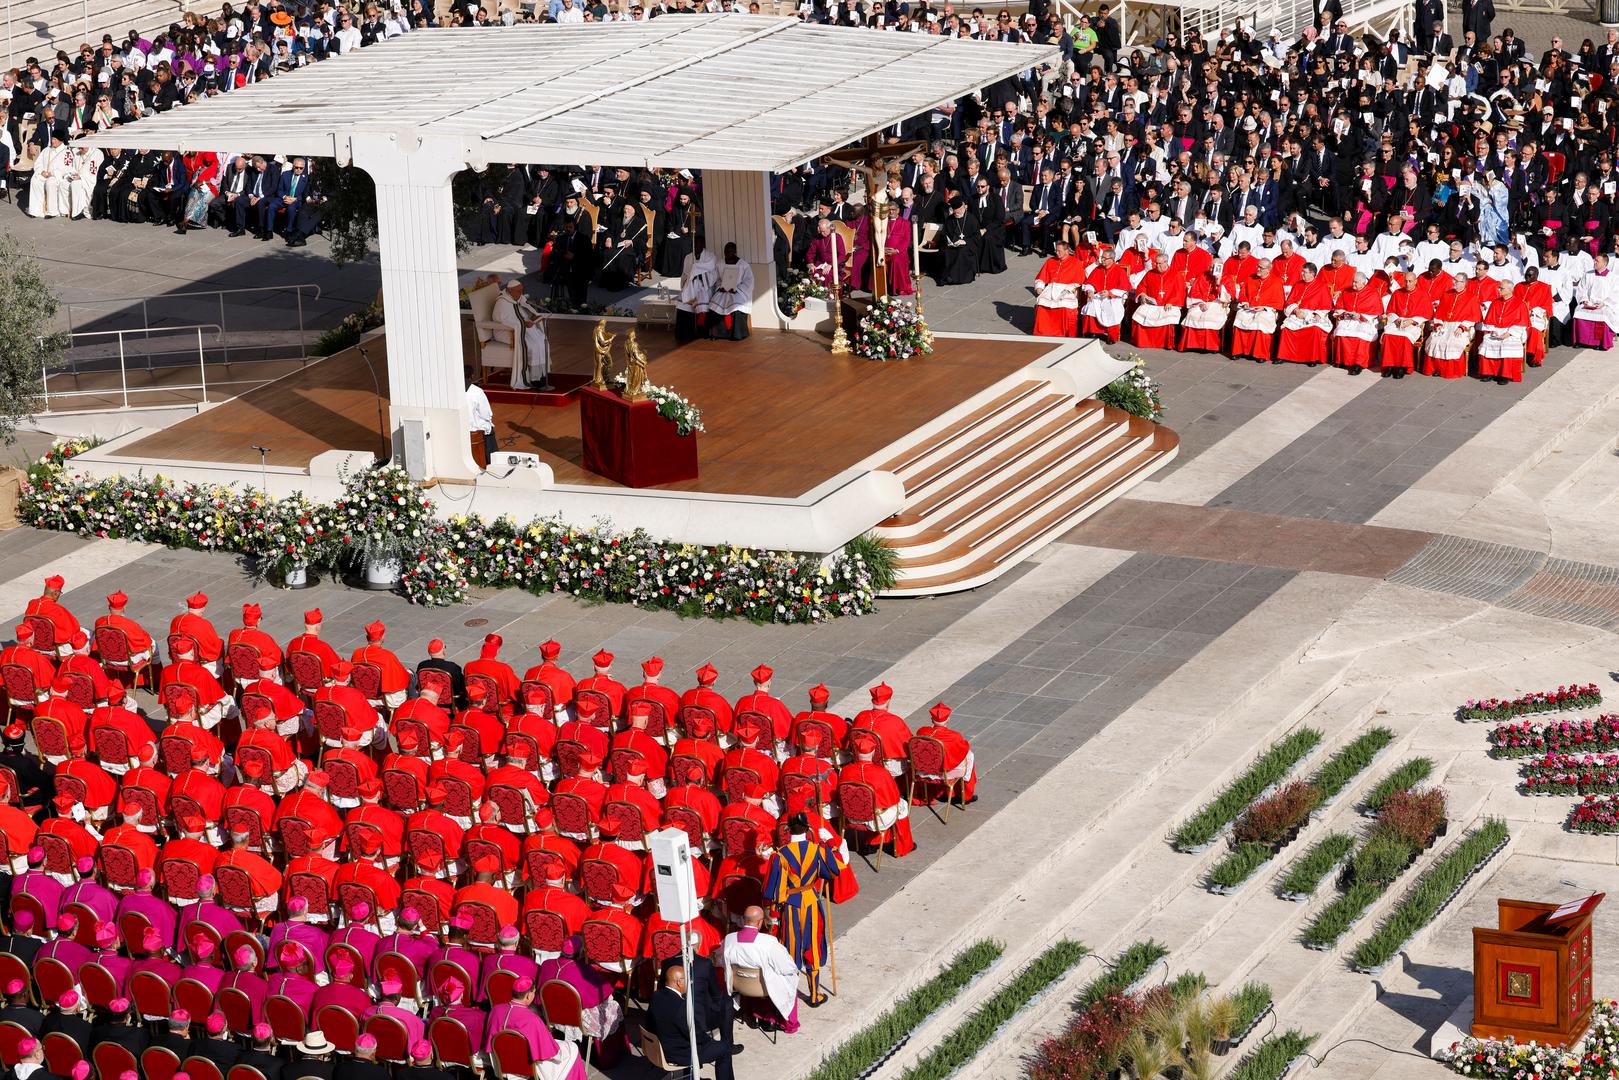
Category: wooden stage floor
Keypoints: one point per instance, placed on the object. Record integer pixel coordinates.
(783, 414)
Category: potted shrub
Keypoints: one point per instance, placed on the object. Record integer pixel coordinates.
(1412, 817)
(1380, 860)
(1276, 820)
(381, 518)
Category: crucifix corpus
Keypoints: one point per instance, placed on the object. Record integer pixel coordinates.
(876, 162)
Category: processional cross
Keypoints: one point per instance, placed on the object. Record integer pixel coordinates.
(876, 160)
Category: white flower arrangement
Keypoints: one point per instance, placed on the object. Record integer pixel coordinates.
(892, 330)
(671, 406)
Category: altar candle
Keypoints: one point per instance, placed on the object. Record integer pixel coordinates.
(916, 255)
(835, 261)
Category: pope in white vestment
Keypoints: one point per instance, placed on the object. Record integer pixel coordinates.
(48, 187)
(531, 366)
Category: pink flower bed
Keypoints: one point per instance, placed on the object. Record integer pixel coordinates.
(1564, 697)
(1524, 738)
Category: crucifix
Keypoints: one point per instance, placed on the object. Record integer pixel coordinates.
(876, 161)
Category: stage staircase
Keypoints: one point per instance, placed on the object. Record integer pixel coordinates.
(989, 490)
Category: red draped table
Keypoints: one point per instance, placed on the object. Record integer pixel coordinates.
(630, 443)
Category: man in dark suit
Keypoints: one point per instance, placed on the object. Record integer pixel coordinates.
(177, 1038)
(30, 1052)
(421, 1065)
(216, 1044)
(119, 1027)
(1010, 192)
(261, 1055)
(1477, 15)
(362, 1064)
(668, 1019)
(437, 661)
(289, 197)
(312, 1057)
(67, 1018)
(18, 1011)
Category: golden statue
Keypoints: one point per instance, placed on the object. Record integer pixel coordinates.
(604, 353)
(635, 362)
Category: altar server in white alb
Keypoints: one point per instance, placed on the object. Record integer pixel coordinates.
(63, 179)
(698, 275)
(731, 304)
(1596, 307)
(531, 368)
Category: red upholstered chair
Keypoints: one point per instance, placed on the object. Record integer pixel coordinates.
(448, 969)
(351, 894)
(521, 742)
(112, 649)
(739, 837)
(471, 751)
(179, 877)
(184, 806)
(245, 819)
(619, 762)
(393, 1041)
(604, 707)
(44, 636)
(179, 643)
(657, 721)
(11, 1033)
(367, 679)
(265, 765)
(427, 852)
(200, 1068)
(286, 1018)
(689, 711)
(339, 1025)
(859, 804)
(510, 801)
(439, 682)
(499, 987)
(477, 850)
(233, 944)
(561, 1007)
(736, 780)
(99, 985)
(401, 968)
(113, 1060)
(237, 1007)
(401, 790)
(690, 822)
(110, 745)
(927, 767)
(345, 777)
(312, 887)
(605, 946)
(511, 1057)
(631, 823)
(598, 876)
(738, 892)
(452, 1045)
(52, 977)
(304, 965)
(159, 1063)
(426, 904)
(242, 661)
(547, 706)
(61, 1053)
(405, 725)
(174, 754)
(457, 797)
(546, 931)
(827, 746)
(330, 720)
(665, 943)
(357, 976)
(50, 735)
(13, 968)
(236, 892)
(8, 781)
(490, 692)
(681, 765)
(24, 902)
(81, 690)
(572, 816)
(146, 802)
(19, 683)
(535, 860)
(485, 929)
(567, 753)
(797, 784)
(153, 998)
(307, 676)
(194, 997)
(132, 927)
(244, 1072)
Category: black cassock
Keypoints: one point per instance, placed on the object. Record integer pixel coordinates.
(672, 250)
(958, 248)
(992, 246)
(621, 261)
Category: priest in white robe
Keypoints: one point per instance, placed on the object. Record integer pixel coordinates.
(698, 275)
(531, 363)
(731, 304)
(83, 167)
(751, 947)
(48, 187)
(1596, 307)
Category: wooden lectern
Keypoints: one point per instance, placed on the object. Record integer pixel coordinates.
(1532, 973)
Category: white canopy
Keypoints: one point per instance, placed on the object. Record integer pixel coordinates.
(737, 92)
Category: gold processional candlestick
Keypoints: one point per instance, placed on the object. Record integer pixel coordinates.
(840, 340)
(603, 342)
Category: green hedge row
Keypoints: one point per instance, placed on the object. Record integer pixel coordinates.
(1419, 906)
(1404, 778)
(1131, 965)
(1307, 871)
(876, 1040)
(1274, 764)
(1272, 1056)
(975, 1032)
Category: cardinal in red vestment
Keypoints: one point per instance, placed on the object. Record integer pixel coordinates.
(1303, 338)
(1160, 301)
(1455, 320)
(1537, 297)
(1402, 328)
(1105, 288)
(1056, 304)
(1259, 306)
(1206, 314)
(1503, 337)
(1358, 311)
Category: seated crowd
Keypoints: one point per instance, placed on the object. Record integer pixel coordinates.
(293, 855)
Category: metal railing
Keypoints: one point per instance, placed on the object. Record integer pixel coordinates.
(219, 295)
(123, 389)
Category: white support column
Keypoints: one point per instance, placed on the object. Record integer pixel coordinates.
(736, 209)
(416, 241)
